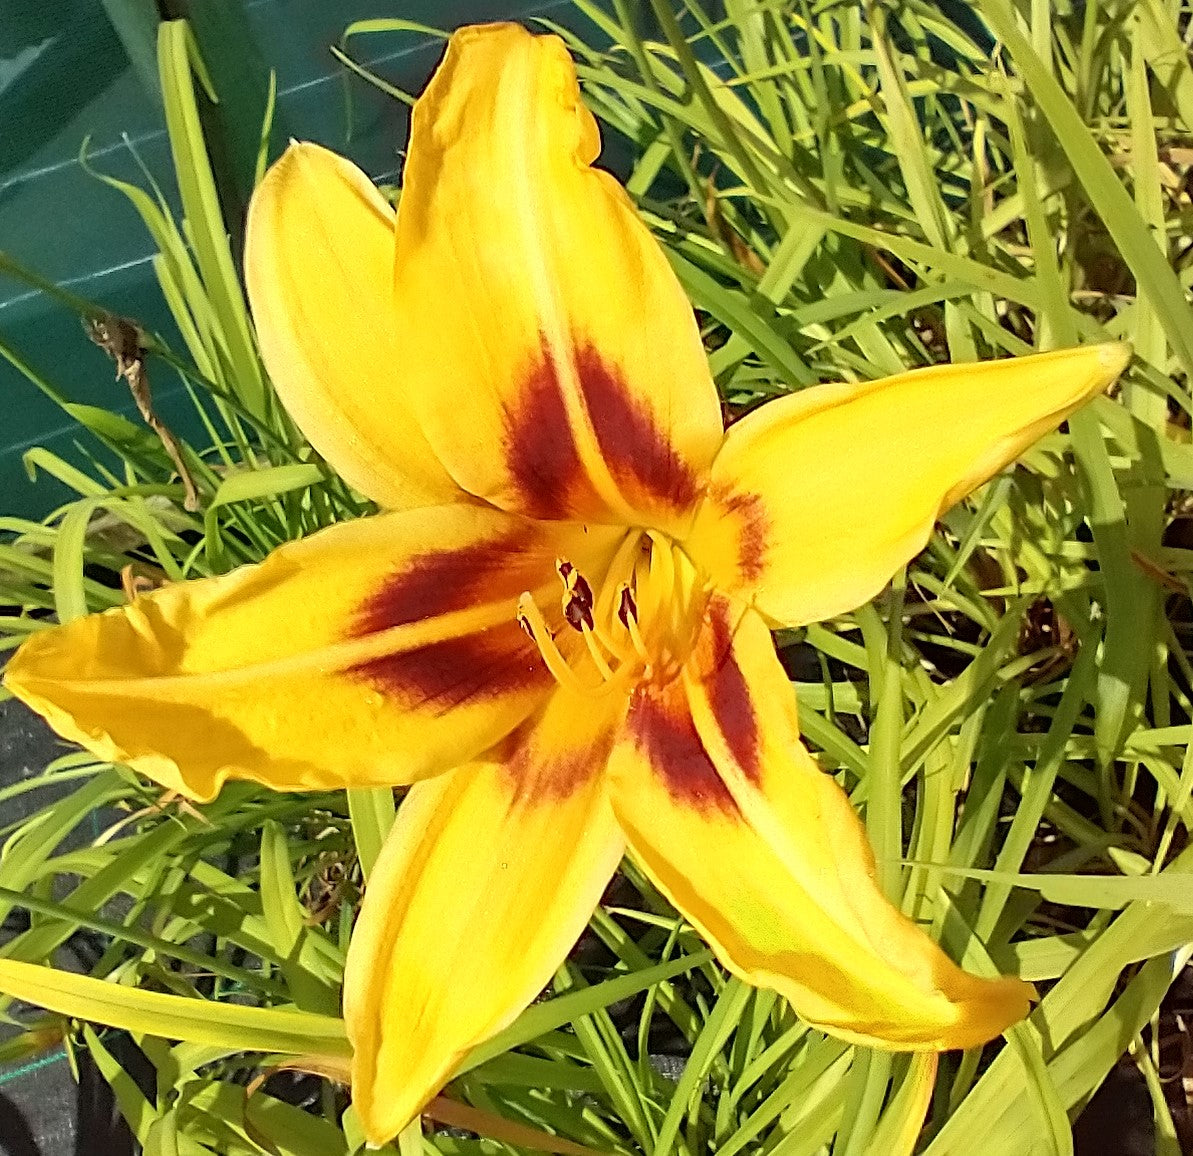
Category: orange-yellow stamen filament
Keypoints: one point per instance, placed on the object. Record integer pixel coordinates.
(591, 638)
(531, 619)
(640, 624)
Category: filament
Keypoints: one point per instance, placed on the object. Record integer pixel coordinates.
(590, 640)
(639, 624)
(532, 621)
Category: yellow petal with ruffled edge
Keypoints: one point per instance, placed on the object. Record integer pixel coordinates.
(374, 652)
(484, 885)
(548, 351)
(818, 498)
(763, 853)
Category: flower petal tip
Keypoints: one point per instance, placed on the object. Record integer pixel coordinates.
(495, 30)
(379, 1124)
(1115, 356)
(993, 1008)
(296, 163)
(1094, 368)
(377, 1141)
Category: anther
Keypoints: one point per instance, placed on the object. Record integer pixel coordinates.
(627, 615)
(577, 598)
(530, 618)
(578, 611)
(627, 608)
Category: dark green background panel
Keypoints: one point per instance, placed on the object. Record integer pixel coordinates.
(66, 75)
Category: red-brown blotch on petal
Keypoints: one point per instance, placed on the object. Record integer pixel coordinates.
(637, 450)
(487, 655)
(443, 581)
(540, 446)
(488, 664)
(659, 724)
(557, 751)
(728, 692)
(745, 529)
(544, 437)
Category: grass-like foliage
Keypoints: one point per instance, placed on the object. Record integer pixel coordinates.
(845, 190)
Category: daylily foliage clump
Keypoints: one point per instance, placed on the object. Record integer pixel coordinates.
(559, 631)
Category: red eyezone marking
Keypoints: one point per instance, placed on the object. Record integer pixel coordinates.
(540, 447)
(729, 694)
(662, 728)
(489, 664)
(639, 453)
(446, 580)
(754, 526)
(544, 459)
(536, 779)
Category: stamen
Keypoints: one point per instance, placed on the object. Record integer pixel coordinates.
(577, 596)
(627, 613)
(578, 606)
(654, 581)
(530, 618)
(627, 608)
(638, 625)
(597, 657)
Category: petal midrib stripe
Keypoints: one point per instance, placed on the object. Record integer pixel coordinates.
(333, 658)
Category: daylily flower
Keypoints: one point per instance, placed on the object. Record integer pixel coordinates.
(560, 631)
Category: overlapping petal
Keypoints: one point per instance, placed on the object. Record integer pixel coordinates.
(547, 348)
(319, 267)
(763, 853)
(818, 498)
(374, 652)
(483, 886)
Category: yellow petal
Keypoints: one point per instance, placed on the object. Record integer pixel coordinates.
(550, 353)
(319, 257)
(374, 652)
(763, 853)
(485, 883)
(818, 498)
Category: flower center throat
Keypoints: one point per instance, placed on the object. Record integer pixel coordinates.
(639, 626)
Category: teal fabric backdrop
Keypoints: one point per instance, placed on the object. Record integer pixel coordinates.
(78, 70)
